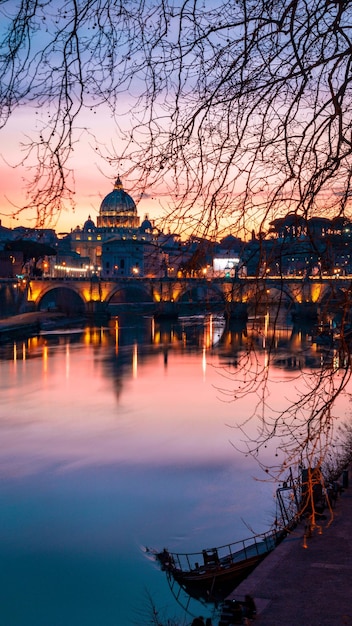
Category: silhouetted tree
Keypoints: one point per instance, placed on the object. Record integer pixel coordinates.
(243, 109)
(32, 251)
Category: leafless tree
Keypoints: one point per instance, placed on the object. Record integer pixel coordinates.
(291, 422)
(242, 108)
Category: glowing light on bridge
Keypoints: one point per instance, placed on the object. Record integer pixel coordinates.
(67, 269)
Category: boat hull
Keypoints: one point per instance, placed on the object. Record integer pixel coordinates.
(214, 585)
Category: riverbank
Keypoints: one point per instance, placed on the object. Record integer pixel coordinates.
(29, 324)
(307, 586)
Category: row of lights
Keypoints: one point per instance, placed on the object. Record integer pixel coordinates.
(68, 269)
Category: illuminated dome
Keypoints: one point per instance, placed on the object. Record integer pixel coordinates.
(118, 209)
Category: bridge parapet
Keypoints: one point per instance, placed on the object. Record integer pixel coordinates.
(240, 290)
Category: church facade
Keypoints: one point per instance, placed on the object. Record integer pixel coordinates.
(118, 244)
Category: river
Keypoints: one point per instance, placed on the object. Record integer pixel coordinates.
(119, 438)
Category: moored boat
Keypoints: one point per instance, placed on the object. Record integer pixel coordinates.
(211, 574)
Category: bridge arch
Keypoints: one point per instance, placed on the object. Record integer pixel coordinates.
(63, 299)
(129, 292)
(201, 293)
(335, 303)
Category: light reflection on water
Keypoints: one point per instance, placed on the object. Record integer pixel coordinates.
(113, 440)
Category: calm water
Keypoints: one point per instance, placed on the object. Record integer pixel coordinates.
(115, 439)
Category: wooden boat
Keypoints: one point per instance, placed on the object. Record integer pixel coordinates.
(211, 574)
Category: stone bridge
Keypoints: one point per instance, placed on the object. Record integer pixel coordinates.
(234, 294)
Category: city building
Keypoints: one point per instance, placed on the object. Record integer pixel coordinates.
(118, 245)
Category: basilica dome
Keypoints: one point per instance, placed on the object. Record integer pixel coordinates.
(118, 209)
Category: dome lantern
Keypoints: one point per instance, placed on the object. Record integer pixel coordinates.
(118, 183)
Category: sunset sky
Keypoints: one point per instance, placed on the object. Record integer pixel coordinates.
(94, 177)
(232, 166)
(96, 146)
